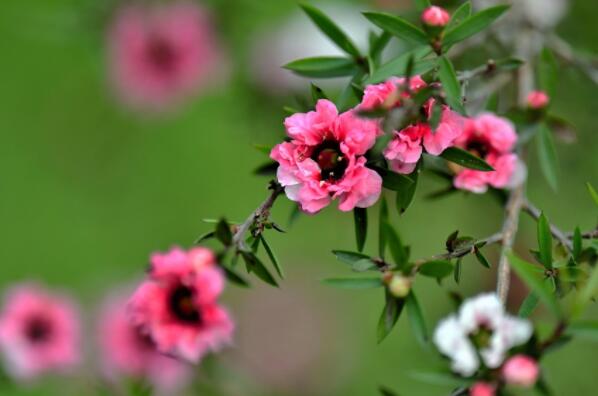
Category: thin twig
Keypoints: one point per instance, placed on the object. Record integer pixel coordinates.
(556, 232)
(259, 215)
(584, 235)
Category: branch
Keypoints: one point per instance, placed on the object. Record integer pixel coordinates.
(258, 216)
(585, 235)
(534, 212)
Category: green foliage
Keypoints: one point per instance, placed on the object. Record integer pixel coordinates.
(398, 251)
(438, 269)
(390, 315)
(330, 29)
(416, 318)
(254, 265)
(398, 66)
(272, 256)
(223, 233)
(465, 159)
(398, 27)
(406, 191)
(450, 84)
(593, 193)
(323, 67)
(354, 283)
(547, 156)
(545, 241)
(358, 262)
(460, 15)
(548, 73)
(360, 217)
(473, 25)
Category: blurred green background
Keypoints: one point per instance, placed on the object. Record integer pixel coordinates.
(88, 190)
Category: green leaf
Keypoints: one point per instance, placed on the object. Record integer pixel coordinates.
(330, 29)
(406, 191)
(394, 181)
(382, 219)
(584, 328)
(360, 216)
(450, 84)
(267, 169)
(509, 64)
(547, 156)
(399, 252)
(545, 241)
(422, 4)
(323, 67)
(272, 257)
(390, 315)
(384, 391)
(203, 237)
(438, 269)
(465, 159)
(223, 233)
(548, 72)
(398, 27)
(528, 306)
(354, 283)
(378, 44)
(473, 25)
(398, 66)
(233, 277)
(481, 258)
(317, 93)
(416, 318)
(527, 273)
(359, 262)
(263, 148)
(460, 15)
(593, 193)
(587, 293)
(255, 265)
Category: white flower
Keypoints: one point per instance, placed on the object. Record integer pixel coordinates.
(481, 330)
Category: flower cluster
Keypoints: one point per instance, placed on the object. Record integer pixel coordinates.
(480, 338)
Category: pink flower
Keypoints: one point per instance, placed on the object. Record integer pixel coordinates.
(537, 100)
(493, 139)
(39, 332)
(161, 54)
(127, 350)
(405, 149)
(177, 305)
(325, 159)
(482, 389)
(435, 16)
(521, 370)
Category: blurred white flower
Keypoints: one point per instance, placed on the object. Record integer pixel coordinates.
(482, 329)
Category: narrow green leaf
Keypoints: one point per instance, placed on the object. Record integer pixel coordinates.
(203, 237)
(406, 191)
(255, 265)
(450, 84)
(317, 93)
(457, 271)
(389, 317)
(360, 216)
(473, 25)
(395, 181)
(577, 243)
(272, 257)
(398, 66)
(548, 72)
(323, 67)
(384, 391)
(460, 15)
(547, 156)
(398, 251)
(416, 318)
(481, 258)
(465, 159)
(545, 241)
(509, 64)
(587, 293)
(233, 277)
(593, 193)
(223, 232)
(267, 169)
(382, 219)
(528, 306)
(527, 273)
(436, 269)
(584, 328)
(330, 29)
(354, 283)
(359, 262)
(378, 45)
(263, 148)
(398, 27)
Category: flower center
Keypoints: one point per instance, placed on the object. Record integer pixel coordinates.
(481, 338)
(330, 159)
(182, 305)
(38, 330)
(161, 54)
(478, 147)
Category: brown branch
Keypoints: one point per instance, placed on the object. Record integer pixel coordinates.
(258, 216)
(534, 212)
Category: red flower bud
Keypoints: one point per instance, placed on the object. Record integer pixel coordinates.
(537, 100)
(435, 16)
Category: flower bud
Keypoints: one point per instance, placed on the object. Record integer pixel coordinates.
(521, 370)
(399, 286)
(537, 100)
(435, 16)
(482, 389)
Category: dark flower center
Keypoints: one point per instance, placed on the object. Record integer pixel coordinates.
(161, 54)
(481, 338)
(478, 147)
(38, 330)
(182, 305)
(331, 160)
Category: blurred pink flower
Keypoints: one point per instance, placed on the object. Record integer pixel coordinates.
(406, 147)
(435, 16)
(482, 389)
(325, 159)
(39, 332)
(161, 54)
(127, 350)
(521, 370)
(177, 305)
(537, 99)
(493, 139)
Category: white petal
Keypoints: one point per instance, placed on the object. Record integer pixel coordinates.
(485, 309)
